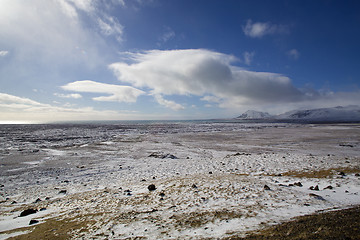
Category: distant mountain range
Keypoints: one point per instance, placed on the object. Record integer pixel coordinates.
(335, 114)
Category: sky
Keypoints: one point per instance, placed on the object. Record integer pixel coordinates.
(75, 60)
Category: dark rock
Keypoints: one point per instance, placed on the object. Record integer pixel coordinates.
(194, 186)
(341, 174)
(37, 200)
(299, 184)
(266, 187)
(128, 191)
(210, 172)
(357, 175)
(66, 181)
(42, 209)
(162, 194)
(28, 212)
(151, 187)
(316, 188)
(62, 192)
(2, 185)
(47, 198)
(33, 221)
(143, 180)
(316, 196)
(13, 202)
(329, 187)
(162, 155)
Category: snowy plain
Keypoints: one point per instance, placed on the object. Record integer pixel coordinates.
(212, 179)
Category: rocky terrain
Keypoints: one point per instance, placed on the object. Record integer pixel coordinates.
(172, 181)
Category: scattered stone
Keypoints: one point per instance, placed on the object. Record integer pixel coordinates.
(341, 174)
(278, 175)
(143, 180)
(346, 145)
(42, 209)
(127, 191)
(357, 175)
(151, 187)
(291, 185)
(2, 185)
(242, 154)
(266, 187)
(210, 172)
(47, 198)
(194, 186)
(316, 196)
(162, 155)
(37, 200)
(63, 192)
(162, 194)
(299, 184)
(33, 221)
(13, 202)
(329, 187)
(28, 212)
(316, 188)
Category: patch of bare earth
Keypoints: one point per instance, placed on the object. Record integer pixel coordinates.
(340, 224)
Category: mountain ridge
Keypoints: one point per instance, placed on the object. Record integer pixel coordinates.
(339, 113)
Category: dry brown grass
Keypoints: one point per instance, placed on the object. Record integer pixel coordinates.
(323, 173)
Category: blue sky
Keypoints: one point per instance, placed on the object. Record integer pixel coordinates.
(63, 60)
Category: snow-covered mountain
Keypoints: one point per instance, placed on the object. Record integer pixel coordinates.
(348, 113)
(251, 114)
(335, 114)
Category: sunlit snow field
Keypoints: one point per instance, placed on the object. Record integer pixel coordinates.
(212, 179)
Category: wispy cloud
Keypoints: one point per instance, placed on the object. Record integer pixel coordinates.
(117, 93)
(167, 103)
(167, 35)
(3, 53)
(72, 95)
(248, 57)
(293, 54)
(110, 26)
(260, 29)
(14, 108)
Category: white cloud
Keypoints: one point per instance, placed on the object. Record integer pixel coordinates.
(3, 53)
(14, 108)
(260, 29)
(211, 76)
(248, 57)
(293, 54)
(117, 93)
(202, 72)
(72, 95)
(11, 99)
(167, 35)
(167, 103)
(110, 26)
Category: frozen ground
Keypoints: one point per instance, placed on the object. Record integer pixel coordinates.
(212, 180)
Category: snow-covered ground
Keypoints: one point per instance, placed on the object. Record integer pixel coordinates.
(212, 180)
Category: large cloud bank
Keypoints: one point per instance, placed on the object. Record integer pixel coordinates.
(214, 77)
(203, 73)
